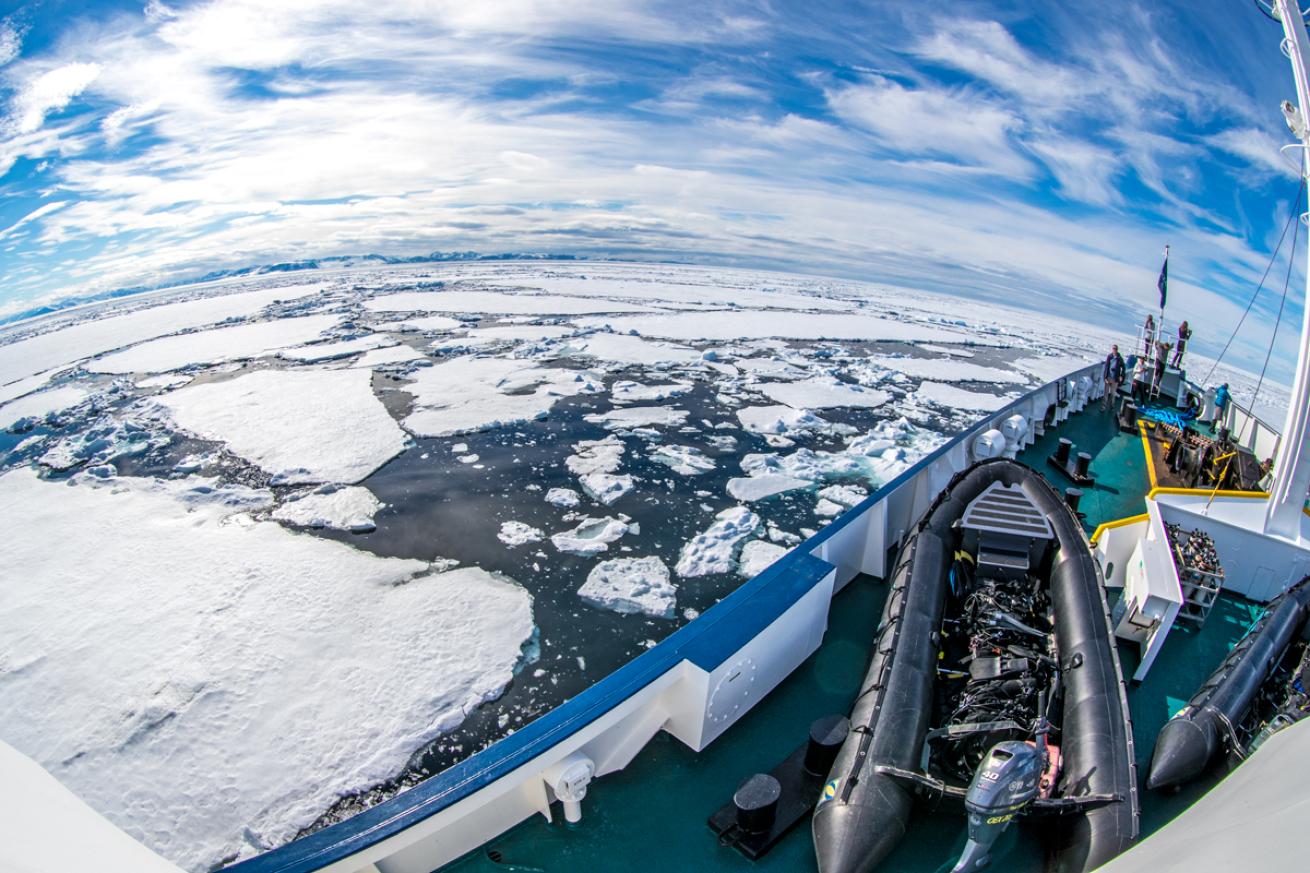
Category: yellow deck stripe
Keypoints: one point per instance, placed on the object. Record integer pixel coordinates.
(1118, 522)
(1146, 450)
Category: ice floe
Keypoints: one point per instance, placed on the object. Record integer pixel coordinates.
(780, 420)
(1048, 369)
(333, 506)
(214, 346)
(625, 349)
(591, 537)
(565, 497)
(65, 345)
(35, 408)
(752, 488)
(475, 393)
(627, 391)
(166, 380)
(823, 393)
(757, 556)
(390, 356)
(630, 585)
(631, 417)
(333, 350)
(107, 438)
(711, 551)
(947, 370)
(516, 533)
(207, 636)
(685, 460)
(754, 323)
(493, 303)
(950, 397)
(300, 425)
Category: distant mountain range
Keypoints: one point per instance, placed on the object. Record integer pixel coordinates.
(336, 262)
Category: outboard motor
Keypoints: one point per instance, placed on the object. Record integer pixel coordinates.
(1006, 781)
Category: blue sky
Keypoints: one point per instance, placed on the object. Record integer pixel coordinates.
(1038, 154)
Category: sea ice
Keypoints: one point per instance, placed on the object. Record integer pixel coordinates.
(339, 507)
(19, 387)
(473, 393)
(596, 456)
(65, 345)
(591, 537)
(629, 585)
(1048, 369)
(493, 303)
(627, 391)
(823, 393)
(401, 354)
(757, 556)
(748, 323)
(764, 485)
(947, 370)
(216, 705)
(950, 397)
(631, 417)
(106, 439)
(38, 406)
(711, 551)
(625, 349)
(516, 533)
(683, 459)
(333, 350)
(565, 497)
(605, 488)
(780, 420)
(299, 425)
(425, 323)
(214, 346)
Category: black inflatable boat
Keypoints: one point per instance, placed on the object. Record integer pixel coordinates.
(1263, 685)
(995, 641)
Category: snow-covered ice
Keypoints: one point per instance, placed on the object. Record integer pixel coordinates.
(332, 350)
(66, 345)
(751, 488)
(516, 533)
(214, 346)
(630, 417)
(299, 425)
(605, 487)
(629, 585)
(565, 497)
(780, 420)
(757, 556)
(625, 349)
(470, 394)
(1048, 369)
(947, 370)
(166, 380)
(950, 397)
(493, 303)
(38, 406)
(823, 393)
(627, 391)
(181, 711)
(711, 551)
(686, 460)
(754, 323)
(401, 354)
(591, 537)
(338, 507)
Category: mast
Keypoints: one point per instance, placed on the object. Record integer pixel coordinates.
(1292, 468)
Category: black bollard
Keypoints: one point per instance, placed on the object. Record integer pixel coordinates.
(826, 737)
(757, 803)
(1073, 496)
(1062, 452)
(1084, 461)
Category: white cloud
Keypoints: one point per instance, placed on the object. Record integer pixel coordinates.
(11, 42)
(51, 92)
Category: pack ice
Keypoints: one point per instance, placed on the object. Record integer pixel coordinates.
(299, 425)
(213, 684)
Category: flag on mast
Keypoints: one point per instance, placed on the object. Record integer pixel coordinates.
(1163, 284)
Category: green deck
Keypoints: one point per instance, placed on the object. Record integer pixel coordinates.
(652, 814)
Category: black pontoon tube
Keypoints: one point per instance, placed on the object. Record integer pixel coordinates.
(1189, 741)
(864, 813)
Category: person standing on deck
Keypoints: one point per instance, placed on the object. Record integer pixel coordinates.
(1148, 335)
(1114, 376)
(1221, 398)
(1184, 334)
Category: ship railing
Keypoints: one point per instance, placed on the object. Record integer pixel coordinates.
(694, 684)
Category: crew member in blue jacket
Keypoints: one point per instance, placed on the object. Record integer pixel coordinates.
(1113, 374)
